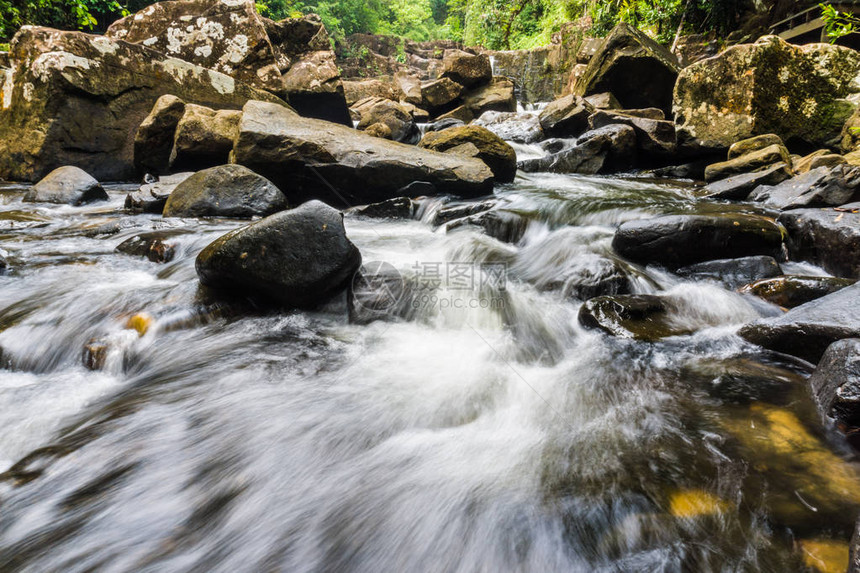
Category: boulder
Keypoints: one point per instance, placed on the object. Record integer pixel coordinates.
(510, 126)
(836, 383)
(505, 226)
(791, 290)
(291, 58)
(317, 159)
(153, 141)
(820, 187)
(444, 124)
(604, 150)
(566, 117)
(395, 117)
(654, 137)
(225, 191)
(498, 95)
(638, 70)
(638, 316)
(439, 94)
(357, 90)
(851, 133)
(296, 258)
(752, 144)
(69, 185)
(589, 276)
(485, 145)
(604, 100)
(397, 208)
(410, 86)
(379, 130)
(825, 237)
(151, 197)
(819, 158)
(734, 273)
(58, 107)
(151, 246)
(454, 212)
(679, 240)
(460, 113)
(739, 187)
(807, 331)
(468, 70)
(748, 163)
(769, 87)
(204, 138)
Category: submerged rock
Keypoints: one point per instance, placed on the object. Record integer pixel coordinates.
(639, 316)
(637, 70)
(734, 273)
(744, 379)
(836, 382)
(484, 145)
(225, 191)
(297, 258)
(769, 87)
(317, 159)
(61, 108)
(791, 290)
(829, 238)
(149, 245)
(806, 331)
(505, 226)
(69, 185)
(679, 240)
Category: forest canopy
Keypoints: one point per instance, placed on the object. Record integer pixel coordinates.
(496, 24)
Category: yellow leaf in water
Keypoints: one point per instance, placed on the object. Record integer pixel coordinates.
(695, 502)
(825, 555)
(139, 322)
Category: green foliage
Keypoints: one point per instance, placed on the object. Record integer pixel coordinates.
(838, 24)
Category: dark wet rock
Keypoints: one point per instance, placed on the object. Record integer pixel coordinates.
(379, 292)
(748, 163)
(204, 138)
(679, 240)
(734, 273)
(73, 113)
(639, 71)
(448, 214)
(444, 124)
(69, 185)
(149, 245)
(153, 141)
(397, 208)
(692, 170)
(438, 94)
(95, 354)
(791, 290)
(820, 187)
(512, 126)
(743, 379)
(771, 86)
(393, 115)
(753, 144)
(498, 95)
(478, 142)
(505, 226)
(297, 258)
(829, 238)
(604, 150)
(566, 117)
(225, 191)
(654, 137)
(466, 69)
(317, 159)
(592, 276)
(807, 331)
(836, 383)
(151, 197)
(739, 187)
(639, 316)
(555, 145)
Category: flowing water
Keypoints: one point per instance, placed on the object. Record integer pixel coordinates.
(487, 432)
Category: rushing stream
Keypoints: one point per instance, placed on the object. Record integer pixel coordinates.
(488, 432)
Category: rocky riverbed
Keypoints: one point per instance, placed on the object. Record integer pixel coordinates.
(254, 316)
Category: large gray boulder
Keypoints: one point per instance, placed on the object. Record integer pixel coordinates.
(566, 117)
(654, 137)
(69, 185)
(807, 331)
(468, 70)
(511, 126)
(637, 70)
(297, 258)
(605, 150)
(225, 191)
(836, 382)
(342, 166)
(771, 86)
(679, 240)
(203, 138)
(394, 116)
(829, 238)
(820, 187)
(61, 107)
(478, 142)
